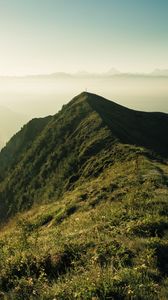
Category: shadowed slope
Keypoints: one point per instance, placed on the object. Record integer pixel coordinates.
(145, 129)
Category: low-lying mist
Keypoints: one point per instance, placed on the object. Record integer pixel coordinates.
(27, 97)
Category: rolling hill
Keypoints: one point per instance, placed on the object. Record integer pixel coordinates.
(83, 204)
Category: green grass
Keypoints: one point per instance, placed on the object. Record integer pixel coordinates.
(106, 239)
(84, 210)
(52, 155)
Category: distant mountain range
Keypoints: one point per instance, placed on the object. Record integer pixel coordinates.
(160, 72)
(83, 73)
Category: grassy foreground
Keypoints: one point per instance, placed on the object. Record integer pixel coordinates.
(106, 239)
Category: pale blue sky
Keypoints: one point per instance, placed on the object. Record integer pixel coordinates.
(44, 36)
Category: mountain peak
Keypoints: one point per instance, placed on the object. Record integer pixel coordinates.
(144, 129)
(82, 173)
(52, 155)
(83, 97)
(91, 98)
(79, 98)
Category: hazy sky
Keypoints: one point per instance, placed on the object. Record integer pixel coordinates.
(43, 36)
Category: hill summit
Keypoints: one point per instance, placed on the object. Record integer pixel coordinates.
(52, 155)
(83, 202)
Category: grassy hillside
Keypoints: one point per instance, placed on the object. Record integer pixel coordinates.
(53, 155)
(19, 143)
(95, 182)
(106, 239)
(58, 158)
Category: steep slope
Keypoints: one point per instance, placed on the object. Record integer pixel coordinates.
(1, 143)
(145, 129)
(103, 232)
(10, 122)
(86, 136)
(19, 143)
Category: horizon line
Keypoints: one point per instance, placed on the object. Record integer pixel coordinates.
(84, 73)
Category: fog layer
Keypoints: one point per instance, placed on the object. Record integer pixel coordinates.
(25, 98)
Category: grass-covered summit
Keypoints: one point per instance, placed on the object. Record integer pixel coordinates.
(50, 156)
(85, 193)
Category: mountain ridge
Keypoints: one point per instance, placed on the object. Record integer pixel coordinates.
(83, 214)
(87, 135)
